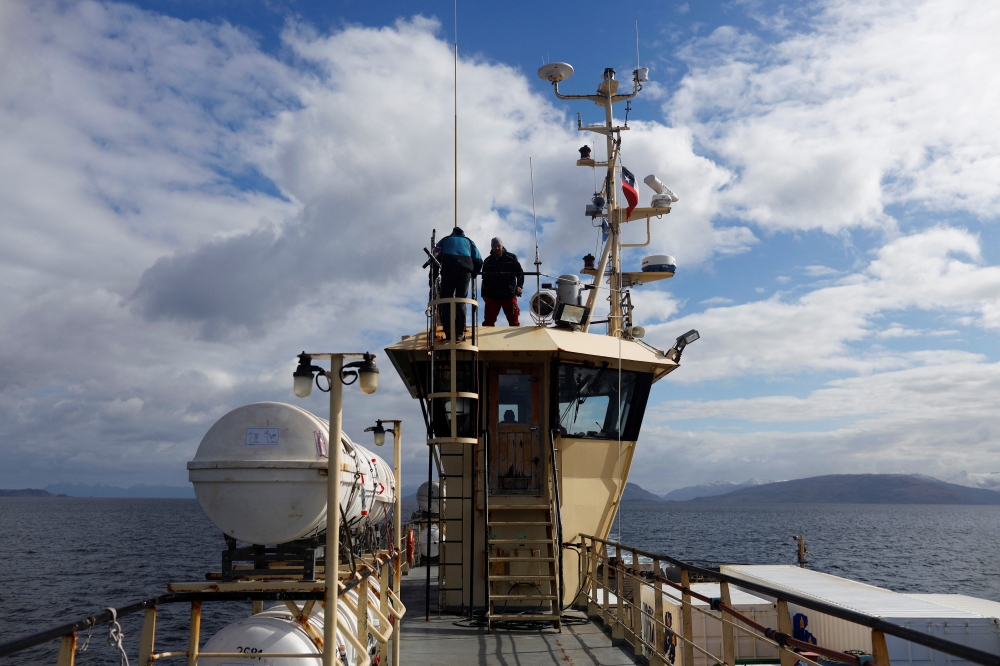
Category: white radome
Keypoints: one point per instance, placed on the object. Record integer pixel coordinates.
(555, 71)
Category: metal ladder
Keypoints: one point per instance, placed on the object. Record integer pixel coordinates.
(453, 448)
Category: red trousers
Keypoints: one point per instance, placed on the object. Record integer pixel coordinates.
(510, 309)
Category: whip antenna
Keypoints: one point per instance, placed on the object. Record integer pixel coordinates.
(534, 217)
(636, 42)
(456, 113)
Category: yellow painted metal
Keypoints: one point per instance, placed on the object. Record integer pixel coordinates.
(686, 619)
(618, 629)
(590, 489)
(301, 616)
(658, 614)
(728, 630)
(333, 499)
(785, 626)
(592, 609)
(636, 594)
(67, 650)
(194, 637)
(605, 617)
(148, 637)
(257, 607)
(541, 340)
(880, 651)
(397, 456)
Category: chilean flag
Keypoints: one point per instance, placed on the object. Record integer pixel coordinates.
(628, 189)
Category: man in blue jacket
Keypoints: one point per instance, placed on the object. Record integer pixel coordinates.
(460, 262)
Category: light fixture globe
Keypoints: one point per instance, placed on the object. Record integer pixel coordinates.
(303, 377)
(368, 375)
(379, 432)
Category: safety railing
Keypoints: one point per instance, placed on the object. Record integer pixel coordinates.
(456, 401)
(372, 576)
(643, 626)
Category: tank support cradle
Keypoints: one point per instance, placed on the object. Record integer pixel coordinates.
(295, 558)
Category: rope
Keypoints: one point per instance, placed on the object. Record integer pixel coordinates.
(115, 636)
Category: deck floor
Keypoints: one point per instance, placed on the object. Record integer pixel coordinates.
(440, 642)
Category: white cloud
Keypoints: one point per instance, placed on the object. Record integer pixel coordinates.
(653, 306)
(819, 271)
(877, 104)
(936, 270)
(930, 419)
(148, 290)
(183, 214)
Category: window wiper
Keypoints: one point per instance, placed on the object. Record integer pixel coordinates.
(580, 398)
(589, 387)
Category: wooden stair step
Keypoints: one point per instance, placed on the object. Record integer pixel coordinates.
(521, 523)
(521, 541)
(512, 597)
(525, 577)
(525, 616)
(522, 559)
(516, 507)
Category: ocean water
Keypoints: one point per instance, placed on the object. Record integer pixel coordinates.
(907, 548)
(66, 558)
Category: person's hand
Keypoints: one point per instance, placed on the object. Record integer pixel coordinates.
(518, 291)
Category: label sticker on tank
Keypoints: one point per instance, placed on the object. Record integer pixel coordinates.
(320, 443)
(261, 437)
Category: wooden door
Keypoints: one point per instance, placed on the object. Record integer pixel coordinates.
(515, 452)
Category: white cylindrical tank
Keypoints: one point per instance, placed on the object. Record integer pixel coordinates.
(260, 475)
(568, 289)
(422, 500)
(276, 631)
(422, 540)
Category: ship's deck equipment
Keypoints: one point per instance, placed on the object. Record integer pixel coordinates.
(645, 613)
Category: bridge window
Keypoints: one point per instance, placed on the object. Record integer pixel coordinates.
(600, 402)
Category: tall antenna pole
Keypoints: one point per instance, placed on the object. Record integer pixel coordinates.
(636, 43)
(456, 113)
(534, 217)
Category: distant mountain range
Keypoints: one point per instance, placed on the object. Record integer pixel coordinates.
(830, 489)
(634, 493)
(711, 488)
(101, 490)
(28, 492)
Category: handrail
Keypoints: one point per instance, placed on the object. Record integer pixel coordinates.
(878, 624)
(107, 615)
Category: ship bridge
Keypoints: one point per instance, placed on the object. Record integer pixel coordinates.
(534, 440)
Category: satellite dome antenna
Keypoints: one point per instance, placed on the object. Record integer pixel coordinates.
(554, 72)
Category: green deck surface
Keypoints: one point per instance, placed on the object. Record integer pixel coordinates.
(441, 642)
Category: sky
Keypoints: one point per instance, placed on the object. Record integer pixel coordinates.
(191, 193)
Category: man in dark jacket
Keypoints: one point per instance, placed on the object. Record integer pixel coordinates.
(503, 279)
(460, 262)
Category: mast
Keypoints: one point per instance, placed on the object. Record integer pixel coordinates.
(606, 96)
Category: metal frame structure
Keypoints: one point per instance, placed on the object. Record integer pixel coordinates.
(391, 610)
(625, 617)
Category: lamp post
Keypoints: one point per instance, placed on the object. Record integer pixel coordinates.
(366, 374)
(397, 513)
